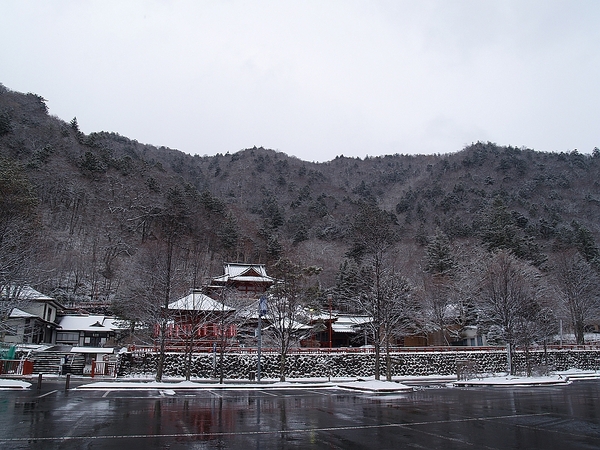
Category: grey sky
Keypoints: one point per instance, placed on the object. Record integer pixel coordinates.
(314, 79)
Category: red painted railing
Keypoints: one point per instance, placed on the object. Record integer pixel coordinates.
(16, 367)
(457, 349)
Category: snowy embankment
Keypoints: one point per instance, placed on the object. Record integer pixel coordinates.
(510, 380)
(359, 385)
(400, 384)
(375, 386)
(558, 378)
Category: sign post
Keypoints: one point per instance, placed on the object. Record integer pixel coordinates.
(214, 351)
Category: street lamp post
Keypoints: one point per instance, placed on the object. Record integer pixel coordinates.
(262, 311)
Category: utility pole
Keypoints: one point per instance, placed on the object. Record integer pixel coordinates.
(330, 322)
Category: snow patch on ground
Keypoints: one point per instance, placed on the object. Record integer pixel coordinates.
(575, 374)
(562, 377)
(399, 384)
(510, 380)
(376, 386)
(14, 384)
(167, 392)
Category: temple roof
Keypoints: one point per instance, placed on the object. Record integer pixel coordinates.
(90, 322)
(197, 301)
(238, 272)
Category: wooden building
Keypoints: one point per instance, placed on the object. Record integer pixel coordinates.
(33, 320)
(197, 320)
(250, 280)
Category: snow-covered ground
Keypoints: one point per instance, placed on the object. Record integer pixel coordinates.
(370, 385)
(14, 384)
(398, 384)
(509, 380)
(564, 377)
(375, 386)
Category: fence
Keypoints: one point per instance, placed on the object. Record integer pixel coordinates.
(103, 368)
(369, 350)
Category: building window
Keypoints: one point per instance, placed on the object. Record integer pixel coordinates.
(67, 337)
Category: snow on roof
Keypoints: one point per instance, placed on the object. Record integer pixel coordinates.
(88, 323)
(354, 320)
(348, 324)
(255, 273)
(92, 350)
(26, 293)
(196, 301)
(342, 318)
(115, 323)
(287, 323)
(17, 313)
(251, 279)
(342, 328)
(237, 269)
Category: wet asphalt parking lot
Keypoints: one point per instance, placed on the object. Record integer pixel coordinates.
(431, 417)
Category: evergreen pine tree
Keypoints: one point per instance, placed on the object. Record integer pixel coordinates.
(439, 259)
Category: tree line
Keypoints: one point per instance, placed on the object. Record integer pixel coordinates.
(91, 219)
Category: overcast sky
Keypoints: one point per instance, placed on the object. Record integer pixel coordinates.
(314, 79)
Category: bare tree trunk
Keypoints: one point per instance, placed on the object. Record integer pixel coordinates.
(189, 351)
(221, 368)
(377, 344)
(167, 296)
(283, 357)
(388, 360)
(161, 356)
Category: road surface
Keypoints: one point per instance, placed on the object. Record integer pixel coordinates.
(561, 417)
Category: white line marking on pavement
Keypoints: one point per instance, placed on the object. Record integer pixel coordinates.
(267, 432)
(268, 393)
(46, 394)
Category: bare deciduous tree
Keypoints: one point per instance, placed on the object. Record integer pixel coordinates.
(439, 309)
(17, 235)
(374, 232)
(234, 312)
(512, 298)
(286, 299)
(398, 313)
(389, 302)
(577, 286)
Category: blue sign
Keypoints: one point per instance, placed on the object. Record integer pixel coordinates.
(262, 306)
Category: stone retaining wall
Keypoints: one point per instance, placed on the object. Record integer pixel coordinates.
(241, 366)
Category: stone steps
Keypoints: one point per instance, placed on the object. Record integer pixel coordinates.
(50, 362)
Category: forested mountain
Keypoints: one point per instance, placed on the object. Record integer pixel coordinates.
(101, 209)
